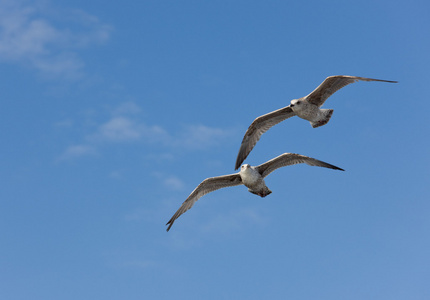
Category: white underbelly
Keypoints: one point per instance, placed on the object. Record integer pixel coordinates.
(310, 114)
(254, 183)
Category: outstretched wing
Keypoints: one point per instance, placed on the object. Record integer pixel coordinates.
(206, 186)
(332, 84)
(257, 128)
(288, 159)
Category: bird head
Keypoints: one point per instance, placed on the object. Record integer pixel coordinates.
(295, 102)
(244, 167)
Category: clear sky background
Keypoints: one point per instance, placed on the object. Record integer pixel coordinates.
(113, 112)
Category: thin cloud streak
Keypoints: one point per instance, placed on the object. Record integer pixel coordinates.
(171, 182)
(119, 129)
(48, 42)
(174, 183)
(125, 127)
(200, 136)
(77, 151)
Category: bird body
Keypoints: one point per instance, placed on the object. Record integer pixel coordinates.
(253, 180)
(308, 108)
(311, 112)
(250, 176)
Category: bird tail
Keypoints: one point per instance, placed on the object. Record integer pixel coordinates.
(265, 192)
(262, 193)
(325, 117)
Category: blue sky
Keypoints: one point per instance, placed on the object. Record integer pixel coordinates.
(112, 113)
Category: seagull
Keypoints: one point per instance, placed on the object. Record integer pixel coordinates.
(250, 176)
(307, 108)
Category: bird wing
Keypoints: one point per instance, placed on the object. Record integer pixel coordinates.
(288, 159)
(332, 84)
(257, 128)
(206, 186)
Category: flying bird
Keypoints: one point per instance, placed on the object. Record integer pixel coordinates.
(250, 176)
(307, 108)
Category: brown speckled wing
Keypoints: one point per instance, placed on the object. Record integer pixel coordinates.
(257, 128)
(332, 84)
(288, 159)
(206, 186)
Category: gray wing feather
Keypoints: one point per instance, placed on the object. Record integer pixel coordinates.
(257, 128)
(332, 84)
(288, 159)
(206, 186)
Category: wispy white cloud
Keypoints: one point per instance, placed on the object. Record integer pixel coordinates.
(119, 129)
(124, 128)
(77, 151)
(174, 183)
(200, 136)
(169, 181)
(127, 108)
(125, 125)
(47, 39)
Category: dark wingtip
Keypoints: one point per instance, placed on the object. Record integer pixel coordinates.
(390, 81)
(170, 225)
(335, 168)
